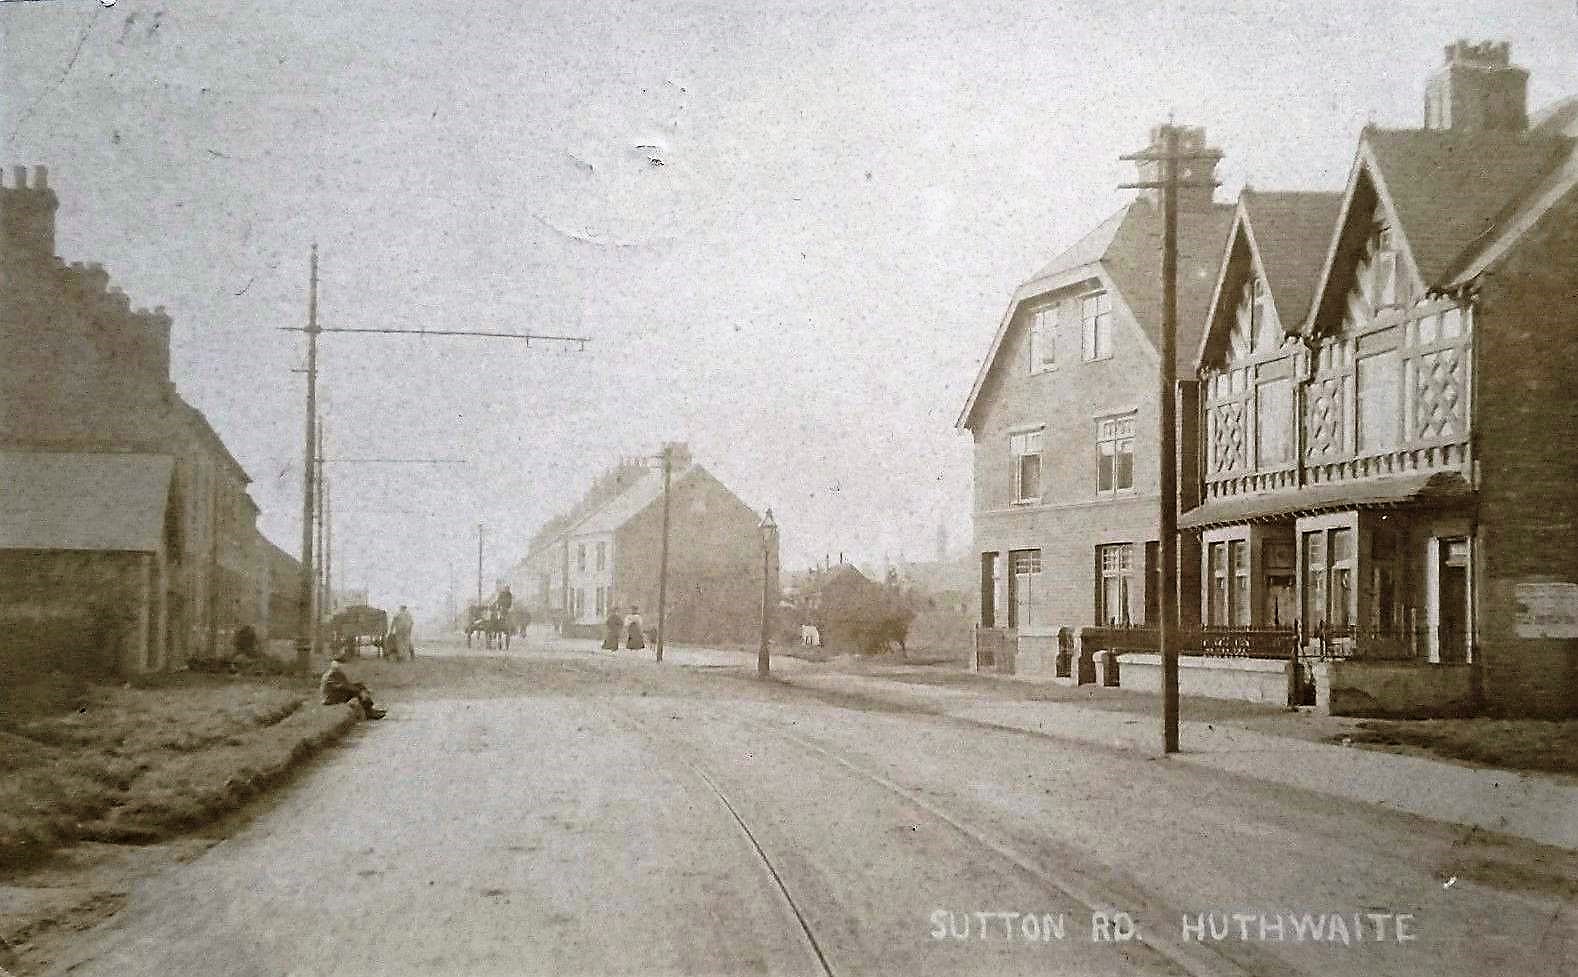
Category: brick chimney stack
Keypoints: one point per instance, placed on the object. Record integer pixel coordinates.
(1478, 88)
(681, 454)
(1191, 139)
(27, 215)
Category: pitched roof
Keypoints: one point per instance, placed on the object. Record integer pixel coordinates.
(625, 506)
(1292, 232)
(1289, 233)
(1450, 189)
(1087, 249)
(80, 501)
(1128, 247)
(1134, 262)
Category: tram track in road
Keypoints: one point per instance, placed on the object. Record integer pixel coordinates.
(1196, 960)
(644, 730)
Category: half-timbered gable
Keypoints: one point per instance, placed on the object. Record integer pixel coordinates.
(1249, 351)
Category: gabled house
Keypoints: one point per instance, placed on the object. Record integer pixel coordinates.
(610, 556)
(1391, 474)
(1064, 416)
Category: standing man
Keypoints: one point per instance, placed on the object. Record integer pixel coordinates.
(401, 628)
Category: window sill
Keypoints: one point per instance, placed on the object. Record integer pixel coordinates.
(1025, 503)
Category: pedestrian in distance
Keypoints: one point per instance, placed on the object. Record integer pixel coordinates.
(613, 624)
(635, 640)
(336, 687)
(401, 631)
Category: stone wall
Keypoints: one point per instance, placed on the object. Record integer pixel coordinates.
(1245, 679)
(1403, 690)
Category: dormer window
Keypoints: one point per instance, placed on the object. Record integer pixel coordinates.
(1043, 338)
(1095, 313)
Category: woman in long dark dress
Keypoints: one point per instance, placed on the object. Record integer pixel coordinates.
(635, 640)
(612, 625)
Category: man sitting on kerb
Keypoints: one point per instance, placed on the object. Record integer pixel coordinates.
(336, 687)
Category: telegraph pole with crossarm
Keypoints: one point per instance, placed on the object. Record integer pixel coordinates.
(305, 640)
(1169, 154)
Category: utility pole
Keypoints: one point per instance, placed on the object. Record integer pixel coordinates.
(305, 641)
(1169, 155)
(769, 531)
(323, 545)
(481, 529)
(304, 637)
(662, 580)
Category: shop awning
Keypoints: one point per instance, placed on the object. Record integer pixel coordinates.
(83, 501)
(1439, 488)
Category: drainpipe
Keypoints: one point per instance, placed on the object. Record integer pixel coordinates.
(1471, 298)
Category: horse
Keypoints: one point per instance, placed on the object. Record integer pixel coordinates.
(493, 627)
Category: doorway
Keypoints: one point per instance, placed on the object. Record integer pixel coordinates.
(1451, 638)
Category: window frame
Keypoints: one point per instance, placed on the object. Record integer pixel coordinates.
(1095, 328)
(1019, 441)
(1117, 438)
(1120, 571)
(1045, 322)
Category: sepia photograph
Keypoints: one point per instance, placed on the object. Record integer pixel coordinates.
(797, 488)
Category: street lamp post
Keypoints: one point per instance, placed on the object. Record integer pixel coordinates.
(769, 531)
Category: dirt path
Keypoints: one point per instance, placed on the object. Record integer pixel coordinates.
(573, 814)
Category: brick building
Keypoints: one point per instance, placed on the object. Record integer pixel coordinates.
(1385, 465)
(86, 375)
(1064, 418)
(609, 556)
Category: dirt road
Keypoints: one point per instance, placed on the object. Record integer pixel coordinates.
(573, 813)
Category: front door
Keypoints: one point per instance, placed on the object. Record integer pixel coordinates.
(1452, 636)
(990, 574)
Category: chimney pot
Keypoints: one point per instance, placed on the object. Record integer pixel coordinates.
(41, 177)
(19, 174)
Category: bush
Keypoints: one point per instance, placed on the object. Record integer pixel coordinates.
(866, 617)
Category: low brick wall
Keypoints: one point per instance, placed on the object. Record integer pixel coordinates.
(1245, 679)
(1402, 690)
(1036, 654)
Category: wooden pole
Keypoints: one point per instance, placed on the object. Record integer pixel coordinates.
(306, 627)
(662, 585)
(1167, 630)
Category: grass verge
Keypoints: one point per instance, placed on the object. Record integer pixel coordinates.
(135, 764)
(1547, 746)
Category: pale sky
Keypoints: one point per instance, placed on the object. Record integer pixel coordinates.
(803, 290)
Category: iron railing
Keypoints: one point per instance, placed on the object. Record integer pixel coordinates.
(1324, 643)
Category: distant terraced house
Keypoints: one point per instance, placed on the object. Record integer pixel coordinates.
(606, 552)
